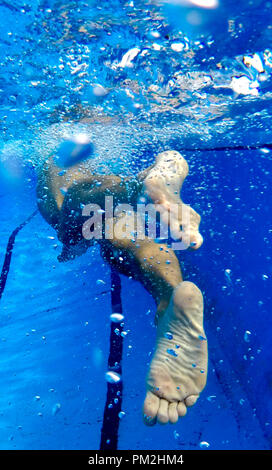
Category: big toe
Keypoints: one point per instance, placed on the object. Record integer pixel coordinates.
(150, 409)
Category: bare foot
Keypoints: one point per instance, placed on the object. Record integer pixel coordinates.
(163, 185)
(178, 369)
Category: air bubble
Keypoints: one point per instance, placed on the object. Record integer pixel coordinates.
(172, 352)
(204, 445)
(177, 46)
(63, 191)
(127, 59)
(228, 275)
(112, 377)
(116, 317)
(211, 398)
(168, 335)
(56, 409)
(247, 336)
(124, 334)
(155, 34)
(176, 435)
(99, 90)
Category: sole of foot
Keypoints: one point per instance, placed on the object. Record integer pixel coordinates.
(178, 370)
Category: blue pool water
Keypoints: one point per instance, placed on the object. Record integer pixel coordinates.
(138, 77)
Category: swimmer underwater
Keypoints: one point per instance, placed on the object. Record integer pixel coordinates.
(178, 369)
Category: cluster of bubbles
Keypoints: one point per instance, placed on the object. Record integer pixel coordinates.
(144, 61)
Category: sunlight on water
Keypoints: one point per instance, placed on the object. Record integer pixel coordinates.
(129, 68)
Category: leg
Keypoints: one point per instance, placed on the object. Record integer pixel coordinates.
(178, 370)
(54, 183)
(163, 184)
(61, 194)
(155, 266)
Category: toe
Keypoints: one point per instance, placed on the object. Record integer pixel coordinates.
(150, 410)
(190, 401)
(163, 416)
(173, 412)
(182, 410)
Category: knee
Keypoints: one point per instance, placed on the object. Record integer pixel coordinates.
(187, 295)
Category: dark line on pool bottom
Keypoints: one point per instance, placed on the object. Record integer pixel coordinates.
(109, 432)
(8, 255)
(113, 405)
(226, 148)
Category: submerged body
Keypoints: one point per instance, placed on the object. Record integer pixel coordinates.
(178, 369)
